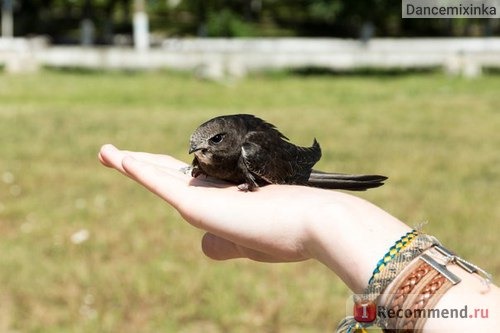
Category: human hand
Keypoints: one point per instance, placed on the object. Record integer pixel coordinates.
(283, 223)
(276, 223)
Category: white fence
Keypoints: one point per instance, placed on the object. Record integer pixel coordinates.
(217, 58)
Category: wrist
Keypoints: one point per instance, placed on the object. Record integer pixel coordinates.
(349, 235)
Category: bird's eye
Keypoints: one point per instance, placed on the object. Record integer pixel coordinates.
(217, 138)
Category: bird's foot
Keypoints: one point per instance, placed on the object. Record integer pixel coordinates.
(195, 172)
(187, 170)
(246, 187)
(192, 170)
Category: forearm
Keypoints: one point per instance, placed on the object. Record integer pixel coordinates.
(364, 233)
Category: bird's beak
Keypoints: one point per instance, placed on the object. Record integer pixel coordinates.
(194, 147)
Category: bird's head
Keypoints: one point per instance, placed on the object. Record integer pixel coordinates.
(214, 139)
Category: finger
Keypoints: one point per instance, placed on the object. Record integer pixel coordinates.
(171, 185)
(218, 248)
(102, 152)
(157, 159)
(111, 157)
(108, 151)
(145, 169)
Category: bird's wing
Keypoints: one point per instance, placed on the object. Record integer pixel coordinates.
(277, 161)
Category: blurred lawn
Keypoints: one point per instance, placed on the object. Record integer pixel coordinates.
(141, 270)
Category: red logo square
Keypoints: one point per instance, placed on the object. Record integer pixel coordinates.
(365, 312)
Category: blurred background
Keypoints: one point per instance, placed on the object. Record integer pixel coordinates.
(82, 249)
(110, 21)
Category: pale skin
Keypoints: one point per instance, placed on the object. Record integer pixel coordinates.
(287, 223)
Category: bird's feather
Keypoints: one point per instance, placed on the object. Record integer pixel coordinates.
(278, 161)
(345, 181)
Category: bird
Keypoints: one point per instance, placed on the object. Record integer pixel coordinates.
(250, 152)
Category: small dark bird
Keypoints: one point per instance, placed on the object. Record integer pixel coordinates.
(250, 152)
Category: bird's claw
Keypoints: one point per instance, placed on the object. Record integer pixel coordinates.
(244, 187)
(195, 172)
(187, 170)
(192, 171)
(247, 187)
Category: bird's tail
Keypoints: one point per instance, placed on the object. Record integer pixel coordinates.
(344, 182)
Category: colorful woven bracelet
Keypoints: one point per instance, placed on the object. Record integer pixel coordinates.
(407, 248)
(403, 242)
(429, 288)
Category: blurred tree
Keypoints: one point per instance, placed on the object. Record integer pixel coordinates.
(60, 19)
(7, 28)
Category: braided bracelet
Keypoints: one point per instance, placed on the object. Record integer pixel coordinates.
(421, 288)
(384, 274)
(427, 297)
(403, 290)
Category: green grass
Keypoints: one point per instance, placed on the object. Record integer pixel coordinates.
(141, 269)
